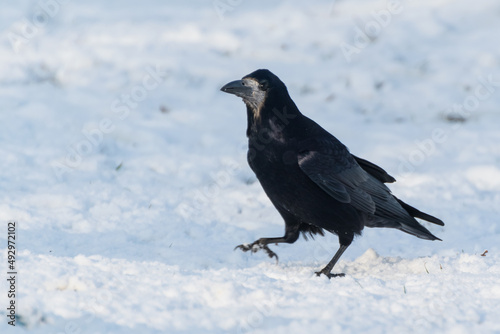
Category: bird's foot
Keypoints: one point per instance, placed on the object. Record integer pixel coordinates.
(329, 274)
(256, 246)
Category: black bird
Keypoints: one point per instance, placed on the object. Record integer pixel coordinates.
(310, 176)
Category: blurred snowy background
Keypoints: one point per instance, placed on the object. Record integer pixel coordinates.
(125, 167)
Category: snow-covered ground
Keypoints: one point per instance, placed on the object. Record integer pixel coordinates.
(124, 165)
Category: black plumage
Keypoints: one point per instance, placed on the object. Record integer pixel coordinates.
(310, 176)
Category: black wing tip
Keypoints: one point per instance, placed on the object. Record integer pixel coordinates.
(374, 170)
(438, 222)
(419, 214)
(389, 179)
(434, 238)
(413, 227)
(424, 235)
(430, 219)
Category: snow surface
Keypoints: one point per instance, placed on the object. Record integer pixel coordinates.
(124, 165)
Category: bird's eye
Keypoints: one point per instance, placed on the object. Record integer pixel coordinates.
(263, 85)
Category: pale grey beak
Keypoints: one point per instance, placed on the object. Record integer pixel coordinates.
(237, 88)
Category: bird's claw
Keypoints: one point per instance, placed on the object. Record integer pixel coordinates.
(256, 246)
(329, 275)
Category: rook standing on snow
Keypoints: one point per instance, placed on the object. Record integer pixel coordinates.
(310, 176)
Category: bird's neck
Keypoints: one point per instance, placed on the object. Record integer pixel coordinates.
(277, 116)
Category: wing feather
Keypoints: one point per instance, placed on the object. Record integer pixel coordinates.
(349, 185)
(348, 179)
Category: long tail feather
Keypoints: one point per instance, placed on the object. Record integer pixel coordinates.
(419, 214)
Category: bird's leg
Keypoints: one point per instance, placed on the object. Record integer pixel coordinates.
(327, 270)
(291, 235)
(262, 244)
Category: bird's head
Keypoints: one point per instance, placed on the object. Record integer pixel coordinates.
(255, 88)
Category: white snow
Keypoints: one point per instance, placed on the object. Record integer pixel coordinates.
(125, 167)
